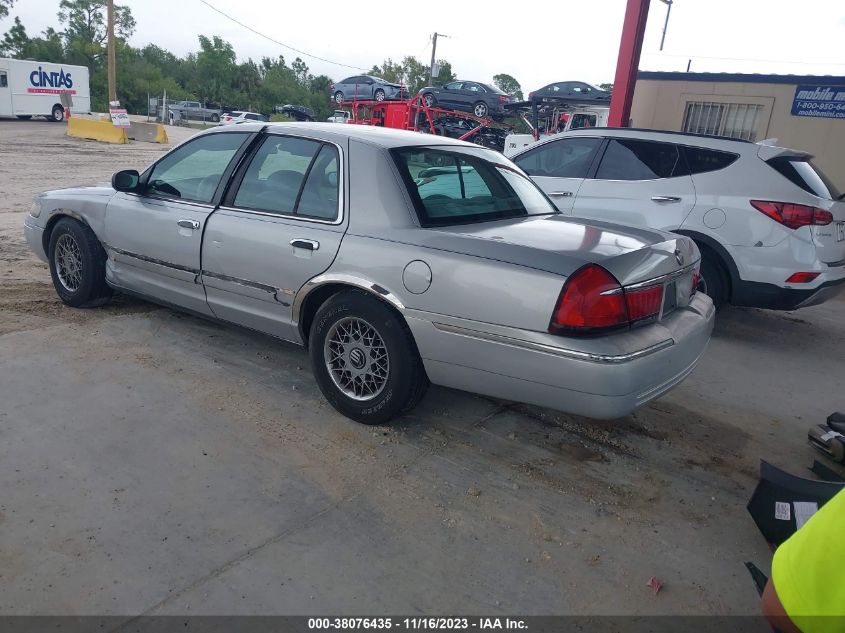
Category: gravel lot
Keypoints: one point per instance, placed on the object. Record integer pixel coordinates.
(156, 463)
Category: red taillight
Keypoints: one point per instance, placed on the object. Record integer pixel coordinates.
(643, 303)
(591, 299)
(801, 278)
(793, 216)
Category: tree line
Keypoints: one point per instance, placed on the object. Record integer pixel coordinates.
(211, 74)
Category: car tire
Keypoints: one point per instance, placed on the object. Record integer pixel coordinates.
(429, 100)
(714, 279)
(78, 265)
(379, 95)
(480, 109)
(338, 97)
(364, 358)
(58, 114)
(215, 118)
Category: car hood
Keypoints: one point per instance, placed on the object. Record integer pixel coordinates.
(99, 189)
(561, 245)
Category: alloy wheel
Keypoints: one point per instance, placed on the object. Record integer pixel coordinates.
(68, 261)
(356, 357)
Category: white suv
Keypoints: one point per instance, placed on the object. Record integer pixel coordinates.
(770, 226)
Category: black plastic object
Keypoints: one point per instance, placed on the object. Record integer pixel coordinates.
(826, 472)
(760, 579)
(836, 421)
(777, 486)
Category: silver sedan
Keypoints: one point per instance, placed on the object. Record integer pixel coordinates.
(396, 259)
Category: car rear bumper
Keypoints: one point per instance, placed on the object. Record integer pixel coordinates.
(771, 297)
(34, 235)
(592, 384)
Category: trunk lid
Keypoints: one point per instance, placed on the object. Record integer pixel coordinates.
(561, 245)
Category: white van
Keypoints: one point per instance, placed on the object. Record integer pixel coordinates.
(30, 89)
(577, 119)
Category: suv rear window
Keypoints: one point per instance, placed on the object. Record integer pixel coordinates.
(803, 173)
(464, 185)
(702, 160)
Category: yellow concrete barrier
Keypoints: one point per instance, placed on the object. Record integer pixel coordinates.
(95, 130)
(149, 132)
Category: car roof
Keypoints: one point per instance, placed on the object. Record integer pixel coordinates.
(685, 138)
(380, 136)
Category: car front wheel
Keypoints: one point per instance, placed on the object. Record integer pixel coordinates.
(338, 97)
(428, 100)
(364, 358)
(379, 95)
(480, 109)
(78, 265)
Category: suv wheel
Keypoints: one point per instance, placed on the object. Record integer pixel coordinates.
(714, 282)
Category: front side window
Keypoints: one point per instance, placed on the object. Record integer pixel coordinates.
(193, 171)
(460, 186)
(567, 158)
(627, 159)
(291, 176)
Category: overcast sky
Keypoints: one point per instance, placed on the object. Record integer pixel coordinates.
(538, 42)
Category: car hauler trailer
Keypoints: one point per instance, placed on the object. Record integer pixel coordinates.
(29, 88)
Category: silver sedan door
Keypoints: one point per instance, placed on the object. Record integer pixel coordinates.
(154, 237)
(560, 166)
(280, 225)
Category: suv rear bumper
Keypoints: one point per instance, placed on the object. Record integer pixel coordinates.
(756, 294)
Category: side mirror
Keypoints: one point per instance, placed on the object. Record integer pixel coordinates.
(126, 180)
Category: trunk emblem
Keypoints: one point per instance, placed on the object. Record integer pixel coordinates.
(680, 257)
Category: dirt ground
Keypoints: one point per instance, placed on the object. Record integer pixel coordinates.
(154, 463)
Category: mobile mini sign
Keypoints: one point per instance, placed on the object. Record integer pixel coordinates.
(819, 101)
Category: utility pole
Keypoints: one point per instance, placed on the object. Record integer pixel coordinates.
(668, 4)
(433, 53)
(111, 60)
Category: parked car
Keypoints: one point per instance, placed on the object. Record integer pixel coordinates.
(456, 127)
(241, 117)
(366, 87)
(340, 116)
(769, 224)
(298, 112)
(480, 99)
(194, 110)
(322, 236)
(569, 91)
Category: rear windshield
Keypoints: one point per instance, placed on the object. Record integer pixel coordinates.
(803, 173)
(464, 185)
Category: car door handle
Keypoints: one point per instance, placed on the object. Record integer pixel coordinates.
(310, 245)
(188, 224)
(666, 198)
(562, 194)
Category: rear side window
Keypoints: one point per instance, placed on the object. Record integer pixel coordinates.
(639, 160)
(565, 158)
(702, 160)
(806, 175)
(291, 176)
(460, 186)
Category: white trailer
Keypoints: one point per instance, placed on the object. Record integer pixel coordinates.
(29, 89)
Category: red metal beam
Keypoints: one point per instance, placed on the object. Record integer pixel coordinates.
(633, 30)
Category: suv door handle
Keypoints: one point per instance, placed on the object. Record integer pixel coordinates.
(310, 245)
(189, 224)
(666, 198)
(563, 194)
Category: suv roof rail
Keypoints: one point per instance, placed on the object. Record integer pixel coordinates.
(675, 132)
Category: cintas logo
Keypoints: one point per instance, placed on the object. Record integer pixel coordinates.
(42, 79)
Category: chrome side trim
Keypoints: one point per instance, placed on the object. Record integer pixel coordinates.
(551, 349)
(249, 284)
(151, 260)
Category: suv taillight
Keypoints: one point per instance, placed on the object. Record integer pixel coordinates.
(793, 216)
(592, 301)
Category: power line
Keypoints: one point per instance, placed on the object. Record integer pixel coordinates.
(275, 41)
(746, 59)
